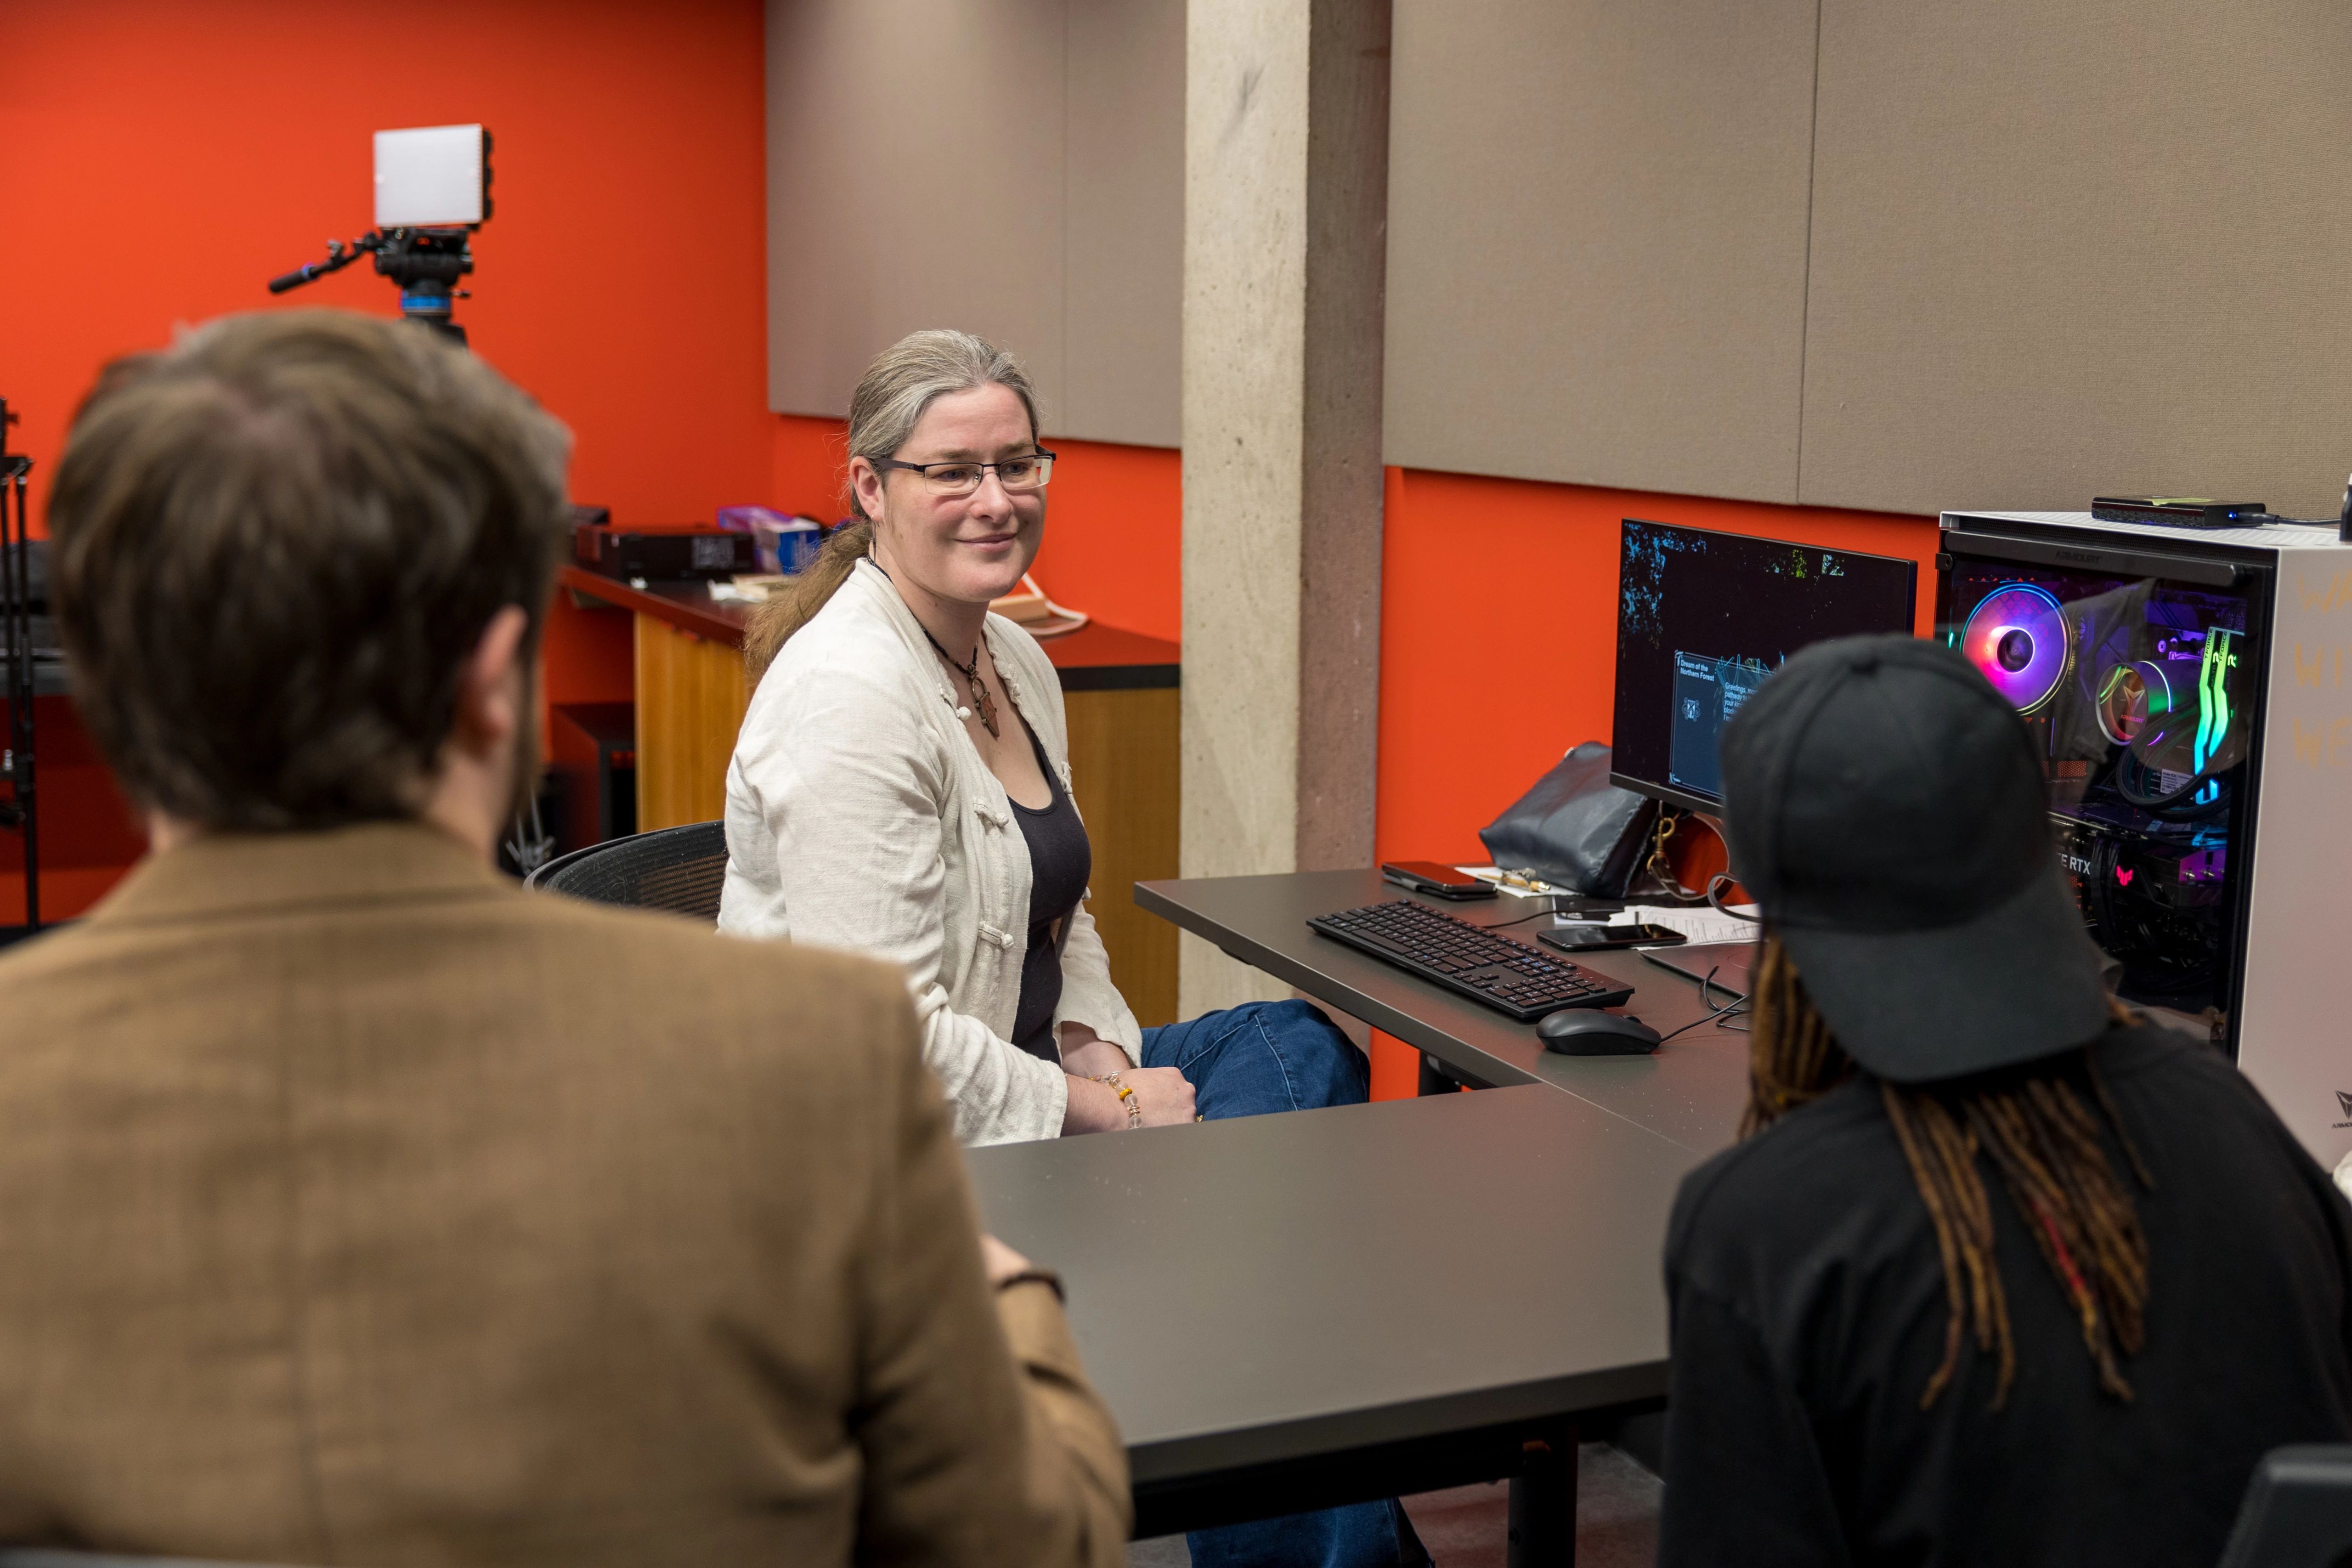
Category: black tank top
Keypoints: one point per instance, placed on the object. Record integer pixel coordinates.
(1060, 862)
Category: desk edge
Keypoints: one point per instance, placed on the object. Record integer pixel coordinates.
(1193, 1459)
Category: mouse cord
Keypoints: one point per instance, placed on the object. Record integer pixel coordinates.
(1499, 925)
(1737, 1004)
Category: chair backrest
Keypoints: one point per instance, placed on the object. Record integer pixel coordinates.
(2297, 1513)
(675, 868)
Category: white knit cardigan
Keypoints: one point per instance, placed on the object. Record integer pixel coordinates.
(860, 815)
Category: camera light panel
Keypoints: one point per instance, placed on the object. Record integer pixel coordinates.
(429, 175)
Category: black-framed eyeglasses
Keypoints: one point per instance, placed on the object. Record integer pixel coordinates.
(1032, 472)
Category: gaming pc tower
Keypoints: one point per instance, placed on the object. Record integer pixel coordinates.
(2186, 689)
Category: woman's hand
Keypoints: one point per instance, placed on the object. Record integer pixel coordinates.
(1163, 1095)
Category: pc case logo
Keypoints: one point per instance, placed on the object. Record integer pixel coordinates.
(2344, 1103)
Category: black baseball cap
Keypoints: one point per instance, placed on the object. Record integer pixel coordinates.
(1887, 809)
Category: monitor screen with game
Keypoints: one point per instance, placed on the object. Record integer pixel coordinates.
(1704, 619)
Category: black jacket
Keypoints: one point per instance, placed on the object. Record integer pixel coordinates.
(1809, 1313)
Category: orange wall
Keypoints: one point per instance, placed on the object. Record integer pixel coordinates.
(164, 160)
(1498, 627)
(175, 157)
(1113, 533)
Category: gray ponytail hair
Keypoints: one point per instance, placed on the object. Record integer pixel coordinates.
(904, 380)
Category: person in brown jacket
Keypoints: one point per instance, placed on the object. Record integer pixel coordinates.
(358, 1206)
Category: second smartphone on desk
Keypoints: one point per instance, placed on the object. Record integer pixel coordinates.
(1437, 880)
(1602, 939)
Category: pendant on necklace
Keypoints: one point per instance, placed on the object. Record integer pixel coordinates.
(984, 701)
(970, 672)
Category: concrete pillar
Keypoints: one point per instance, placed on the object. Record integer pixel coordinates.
(1285, 200)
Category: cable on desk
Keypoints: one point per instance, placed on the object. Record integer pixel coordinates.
(1499, 925)
(1553, 903)
(1728, 1009)
(1715, 891)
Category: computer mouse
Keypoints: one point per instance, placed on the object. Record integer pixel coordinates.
(1589, 1032)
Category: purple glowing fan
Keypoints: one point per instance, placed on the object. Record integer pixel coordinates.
(2016, 636)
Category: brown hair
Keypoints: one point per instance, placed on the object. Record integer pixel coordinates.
(904, 380)
(273, 549)
(2032, 1124)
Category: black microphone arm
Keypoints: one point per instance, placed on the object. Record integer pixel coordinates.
(338, 256)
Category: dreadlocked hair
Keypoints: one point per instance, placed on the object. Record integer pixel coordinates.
(2034, 1127)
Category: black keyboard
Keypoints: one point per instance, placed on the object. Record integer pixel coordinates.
(1508, 976)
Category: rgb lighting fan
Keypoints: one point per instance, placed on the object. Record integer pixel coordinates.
(2131, 697)
(2016, 636)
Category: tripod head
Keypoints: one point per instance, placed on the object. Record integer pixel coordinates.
(425, 264)
(432, 192)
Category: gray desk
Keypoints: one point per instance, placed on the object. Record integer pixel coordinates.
(1328, 1306)
(1691, 1091)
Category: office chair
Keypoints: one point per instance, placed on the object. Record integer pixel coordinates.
(2297, 1513)
(674, 868)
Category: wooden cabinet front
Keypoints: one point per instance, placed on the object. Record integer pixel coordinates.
(690, 703)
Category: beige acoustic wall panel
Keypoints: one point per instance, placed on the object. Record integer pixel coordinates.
(1124, 223)
(1014, 167)
(2060, 249)
(1597, 240)
(914, 180)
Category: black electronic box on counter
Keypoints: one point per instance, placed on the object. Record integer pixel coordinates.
(662, 554)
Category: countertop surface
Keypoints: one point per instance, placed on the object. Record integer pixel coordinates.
(1094, 657)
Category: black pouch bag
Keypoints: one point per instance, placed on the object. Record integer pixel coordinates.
(1574, 828)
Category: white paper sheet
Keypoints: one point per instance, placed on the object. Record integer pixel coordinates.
(1700, 923)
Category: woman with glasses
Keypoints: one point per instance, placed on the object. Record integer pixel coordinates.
(902, 786)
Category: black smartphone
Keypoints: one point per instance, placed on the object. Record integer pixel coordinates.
(1598, 939)
(1438, 882)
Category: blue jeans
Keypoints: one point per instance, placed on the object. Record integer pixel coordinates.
(1262, 1057)
(1248, 1061)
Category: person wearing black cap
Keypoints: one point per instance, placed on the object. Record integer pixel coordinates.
(1875, 1357)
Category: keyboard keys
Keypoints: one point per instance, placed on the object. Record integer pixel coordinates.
(1484, 965)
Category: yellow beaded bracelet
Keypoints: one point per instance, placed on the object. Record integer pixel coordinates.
(1126, 1097)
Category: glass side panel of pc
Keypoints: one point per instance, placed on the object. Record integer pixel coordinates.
(2139, 692)
(1705, 618)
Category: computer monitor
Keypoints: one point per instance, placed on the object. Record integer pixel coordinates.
(1703, 619)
